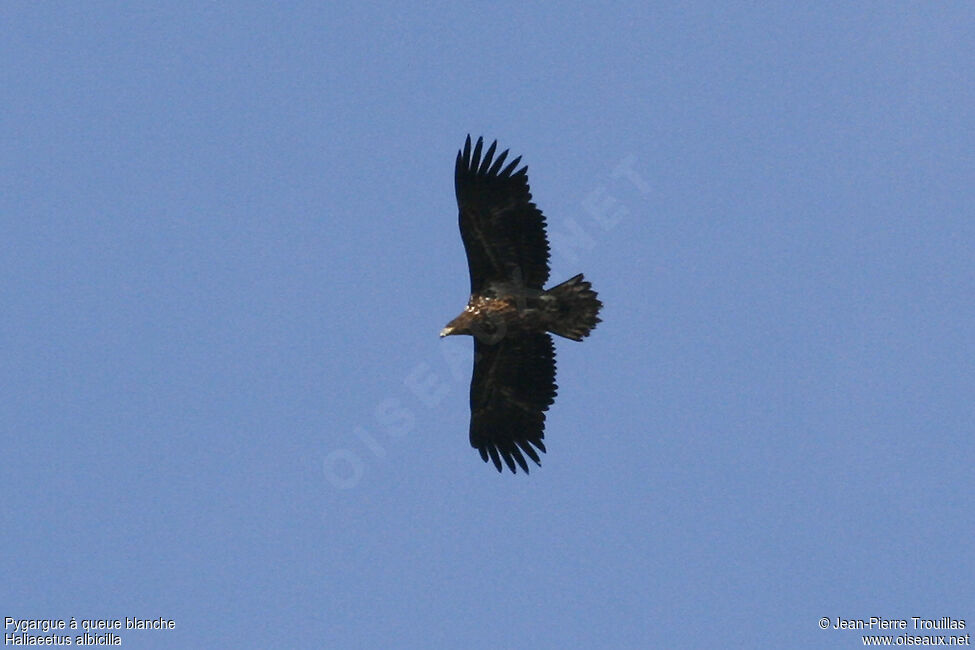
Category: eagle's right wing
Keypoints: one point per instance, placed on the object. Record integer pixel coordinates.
(512, 386)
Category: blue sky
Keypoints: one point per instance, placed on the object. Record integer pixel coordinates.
(229, 242)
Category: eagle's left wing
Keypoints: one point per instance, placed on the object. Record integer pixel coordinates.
(512, 386)
(503, 231)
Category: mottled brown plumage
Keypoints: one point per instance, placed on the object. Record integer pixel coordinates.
(509, 313)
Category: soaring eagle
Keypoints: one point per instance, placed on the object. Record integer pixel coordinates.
(510, 313)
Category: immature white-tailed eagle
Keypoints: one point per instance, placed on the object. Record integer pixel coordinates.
(510, 313)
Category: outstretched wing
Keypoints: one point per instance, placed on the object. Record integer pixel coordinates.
(503, 231)
(512, 387)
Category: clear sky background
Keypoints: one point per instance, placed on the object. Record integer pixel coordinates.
(229, 241)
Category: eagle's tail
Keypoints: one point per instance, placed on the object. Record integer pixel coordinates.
(578, 308)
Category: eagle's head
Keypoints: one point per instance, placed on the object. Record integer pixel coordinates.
(486, 326)
(460, 325)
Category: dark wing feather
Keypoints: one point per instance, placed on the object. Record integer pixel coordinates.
(503, 231)
(512, 387)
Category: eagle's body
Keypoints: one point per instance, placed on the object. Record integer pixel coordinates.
(510, 309)
(509, 313)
